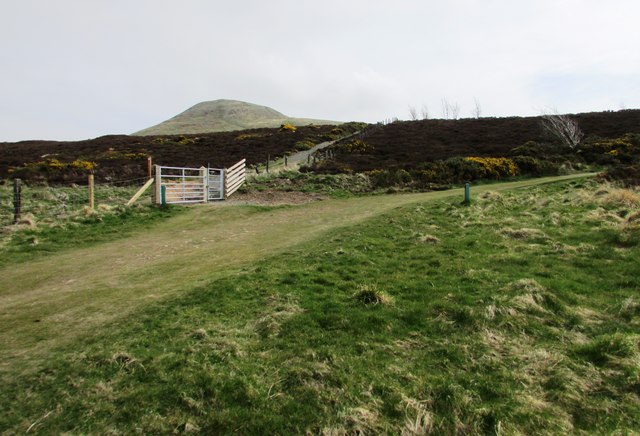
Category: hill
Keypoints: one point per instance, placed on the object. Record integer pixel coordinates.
(119, 157)
(409, 144)
(225, 116)
(432, 151)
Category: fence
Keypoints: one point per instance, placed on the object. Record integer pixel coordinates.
(42, 203)
(234, 177)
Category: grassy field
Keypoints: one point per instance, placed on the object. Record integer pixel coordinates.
(400, 314)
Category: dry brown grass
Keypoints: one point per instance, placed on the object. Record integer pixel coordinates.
(630, 309)
(525, 295)
(428, 239)
(421, 424)
(491, 197)
(523, 234)
(279, 310)
(622, 198)
(361, 420)
(419, 419)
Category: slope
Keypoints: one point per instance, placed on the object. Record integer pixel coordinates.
(411, 144)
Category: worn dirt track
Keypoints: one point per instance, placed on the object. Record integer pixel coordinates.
(50, 302)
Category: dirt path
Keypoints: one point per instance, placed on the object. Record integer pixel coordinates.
(54, 300)
(300, 158)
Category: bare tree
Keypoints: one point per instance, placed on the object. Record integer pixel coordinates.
(477, 109)
(445, 108)
(564, 128)
(413, 112)
(424, 112)
(455, 111)
(450, 110)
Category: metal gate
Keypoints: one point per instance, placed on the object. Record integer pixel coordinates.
(181, 185)
(176, 185)
(215, 184)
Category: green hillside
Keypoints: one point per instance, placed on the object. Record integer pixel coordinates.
(225, 116)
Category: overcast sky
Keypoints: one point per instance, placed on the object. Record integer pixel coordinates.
(77, 69)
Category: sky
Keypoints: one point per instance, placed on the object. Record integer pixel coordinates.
(78, 69)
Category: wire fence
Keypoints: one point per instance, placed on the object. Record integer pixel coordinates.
(38, 203)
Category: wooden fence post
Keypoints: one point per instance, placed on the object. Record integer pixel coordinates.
(91, 192)
(286, 162)
(268, 159)
(17, 200)
(149, 168)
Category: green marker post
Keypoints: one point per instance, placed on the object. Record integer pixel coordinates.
(467, 193)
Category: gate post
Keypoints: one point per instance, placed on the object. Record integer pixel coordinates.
(158, 184)
(223, 182)
(204, 173)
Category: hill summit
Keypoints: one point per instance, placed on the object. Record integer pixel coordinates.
(224, 116)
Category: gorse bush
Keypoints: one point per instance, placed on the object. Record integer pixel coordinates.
(354, 146)
(183, 140)
(614, 146)
(621, 156)
(246, 136)
(440, 174)
(288, 127)
(459, 169)
(536, 167)
(495, 167)
(53, 165)
(112, 154)
(304, 145)
(387, 178)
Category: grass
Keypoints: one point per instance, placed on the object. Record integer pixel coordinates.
(517, 314)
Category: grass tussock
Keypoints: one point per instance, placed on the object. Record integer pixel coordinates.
(625, 349)
(523, 233)
(369, 295)
(490, 197)
(428, 239)
(616, 198)
(630, 309)
(279, 310)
